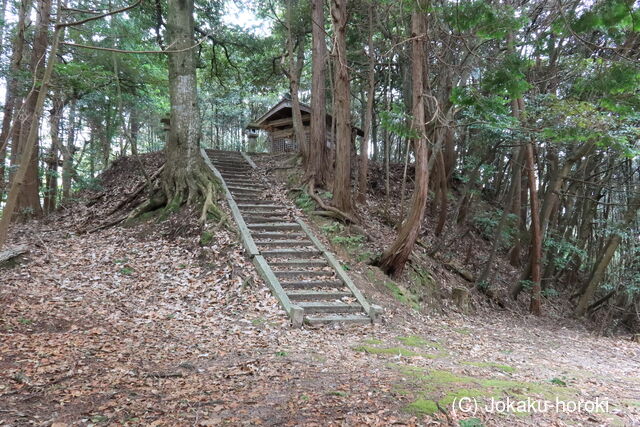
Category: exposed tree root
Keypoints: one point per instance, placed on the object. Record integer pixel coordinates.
(337, 213)
(147, 183)
(194, 186)
(156, 201)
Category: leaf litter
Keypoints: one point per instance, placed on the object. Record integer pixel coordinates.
(142, 326)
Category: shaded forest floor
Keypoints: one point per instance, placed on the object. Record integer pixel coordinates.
(148, 325)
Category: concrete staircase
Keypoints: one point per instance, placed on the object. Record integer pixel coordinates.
(307, 279)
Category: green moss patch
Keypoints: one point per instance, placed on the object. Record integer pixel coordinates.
(206, 238)
(394, 351)
(413, 341)
(445, 388)
(374, 346)
(403, 295)
(504, 368)
(423, 407)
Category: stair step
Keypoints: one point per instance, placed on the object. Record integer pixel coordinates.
(258, 212)
(245, 191)
(230, 162)
(227, 175)
(306, 284)
(232, 165)
(244, 183)
(245, 187)
(276, 235)
(236, 173)
(316, 295)
(259, 206)
(294, 253)
(296, 263)
(300, 268)
(263, 219)
(284, 242)
(275, 226)
(322, 320)
(309, 273)
(227, 166)
(329, 307)
(254, 202)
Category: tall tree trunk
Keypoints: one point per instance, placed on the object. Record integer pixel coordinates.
(67, 153)
(51, 176)
(536, 235)
(342, 112)
(395, 257)
(29, 198)
(368, 116)
(605, 257)
(481, 281)
(296, 62)
(30, 142)
(387, 139)
(134, 130)
(3, 10)
(318, 165)
(11, 90)
(185, 178)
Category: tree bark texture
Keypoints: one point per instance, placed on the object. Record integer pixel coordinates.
(342, 181)
(395, 257)
(318, 167)
(28, 203)
(368, 116)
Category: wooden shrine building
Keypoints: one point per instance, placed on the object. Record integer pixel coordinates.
(278, 124)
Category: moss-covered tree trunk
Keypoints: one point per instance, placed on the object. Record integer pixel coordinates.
(185, 178)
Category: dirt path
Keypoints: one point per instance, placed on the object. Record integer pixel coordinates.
(125, 327)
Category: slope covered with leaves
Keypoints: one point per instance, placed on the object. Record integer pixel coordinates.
(149, 325)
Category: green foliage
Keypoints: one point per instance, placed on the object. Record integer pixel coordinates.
(305, 202)
(487, 222)
(127, 271)
(485, 20)
(353, 244)
(398, 122)
(91, 184)
(612, 17)
(206, 238)
(526, 284)
(332, 227)
(349, 242)
(550, 293)
(508, 78)
(563, 252)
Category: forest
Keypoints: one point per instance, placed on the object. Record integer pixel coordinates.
(454, 187)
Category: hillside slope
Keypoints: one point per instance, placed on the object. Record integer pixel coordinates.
(149, 324)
